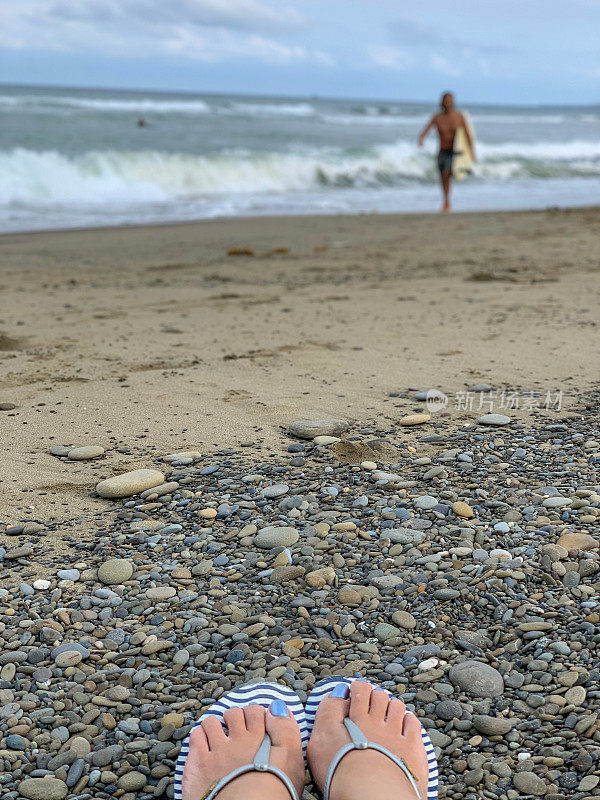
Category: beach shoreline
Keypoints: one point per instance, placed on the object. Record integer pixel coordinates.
(149, 340)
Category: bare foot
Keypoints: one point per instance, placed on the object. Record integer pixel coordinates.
(367, 773)
(214, 754)
(446, 207)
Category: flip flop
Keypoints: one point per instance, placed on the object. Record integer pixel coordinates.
(258, 694)
(359, 741)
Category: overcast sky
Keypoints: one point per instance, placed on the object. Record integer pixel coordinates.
(507, 51)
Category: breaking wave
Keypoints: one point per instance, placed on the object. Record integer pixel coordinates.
(97, 178)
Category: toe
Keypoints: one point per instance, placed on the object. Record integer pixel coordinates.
(395, 713)
(378, 705)
(255, 719)
(411, 727)
(281, 726)
(360, 698)
(214, 732)
(333, 708)
(235, 721)
(195, 762)
(198, 744)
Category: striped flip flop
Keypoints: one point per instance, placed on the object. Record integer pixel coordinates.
(320, 691)
(261, 694)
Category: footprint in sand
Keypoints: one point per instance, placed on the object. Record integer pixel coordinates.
(231, 395)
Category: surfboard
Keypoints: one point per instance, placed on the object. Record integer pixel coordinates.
(462, 160)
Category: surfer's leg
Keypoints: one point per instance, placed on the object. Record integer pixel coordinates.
(446, 175)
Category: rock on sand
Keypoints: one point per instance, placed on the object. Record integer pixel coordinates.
(415, 419)
(46, 788)
(272, 536)
(477, 679)
(130, 483)
(310, 428)
(85, 453)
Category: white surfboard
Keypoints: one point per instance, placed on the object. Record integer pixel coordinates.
(462, 160)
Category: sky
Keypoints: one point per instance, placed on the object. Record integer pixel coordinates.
(489, 51)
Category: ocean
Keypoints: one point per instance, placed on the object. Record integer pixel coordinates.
(77, 157)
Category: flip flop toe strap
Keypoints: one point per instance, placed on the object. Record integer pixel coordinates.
(260, 764)
(360, 742)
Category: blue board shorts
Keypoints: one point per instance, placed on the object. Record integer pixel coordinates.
(445, 160)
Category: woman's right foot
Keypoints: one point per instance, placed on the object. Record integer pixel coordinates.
(213, 754)
(367, 773)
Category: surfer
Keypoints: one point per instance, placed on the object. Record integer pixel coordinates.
(447, 123)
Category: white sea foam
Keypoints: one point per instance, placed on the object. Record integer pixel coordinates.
(148, 105)
(98, 178)
(543, 151)
(268, 109)
(125, 105)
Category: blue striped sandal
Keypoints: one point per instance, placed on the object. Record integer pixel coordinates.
(359, 742)
(261, 694)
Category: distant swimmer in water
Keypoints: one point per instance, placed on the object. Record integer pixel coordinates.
(141, 123)
(447, 123)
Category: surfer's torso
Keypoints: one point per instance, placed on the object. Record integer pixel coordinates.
(447, 123)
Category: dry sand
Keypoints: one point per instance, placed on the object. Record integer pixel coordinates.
(152, 340)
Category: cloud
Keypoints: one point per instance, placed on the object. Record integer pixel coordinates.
(389, 57)
(416, 34)
(211, 48)
(441, 64)
(200, 30)
(243, 15)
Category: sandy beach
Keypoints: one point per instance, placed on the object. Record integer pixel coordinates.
(152, 340)
(453, 563)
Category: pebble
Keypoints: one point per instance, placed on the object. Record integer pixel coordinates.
(159, 593)
(115, 571)
(310, 428)
(271, 536)
(68, 574)
(85, 453)
(492, 726)
(529, 783)
(414, 419)
(477, 679)
(572, 540)
(46, 788)
(494, 419)
(404, 619)
(184, 455)
(425, 502)
(16, 742)
(384, 631)
(277, 490)
(130, 483)
(132, 781)
(462, 509)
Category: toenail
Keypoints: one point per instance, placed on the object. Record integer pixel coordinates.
(341, 691)
(279, 709)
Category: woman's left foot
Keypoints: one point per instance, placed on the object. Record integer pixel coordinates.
(213, 754)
